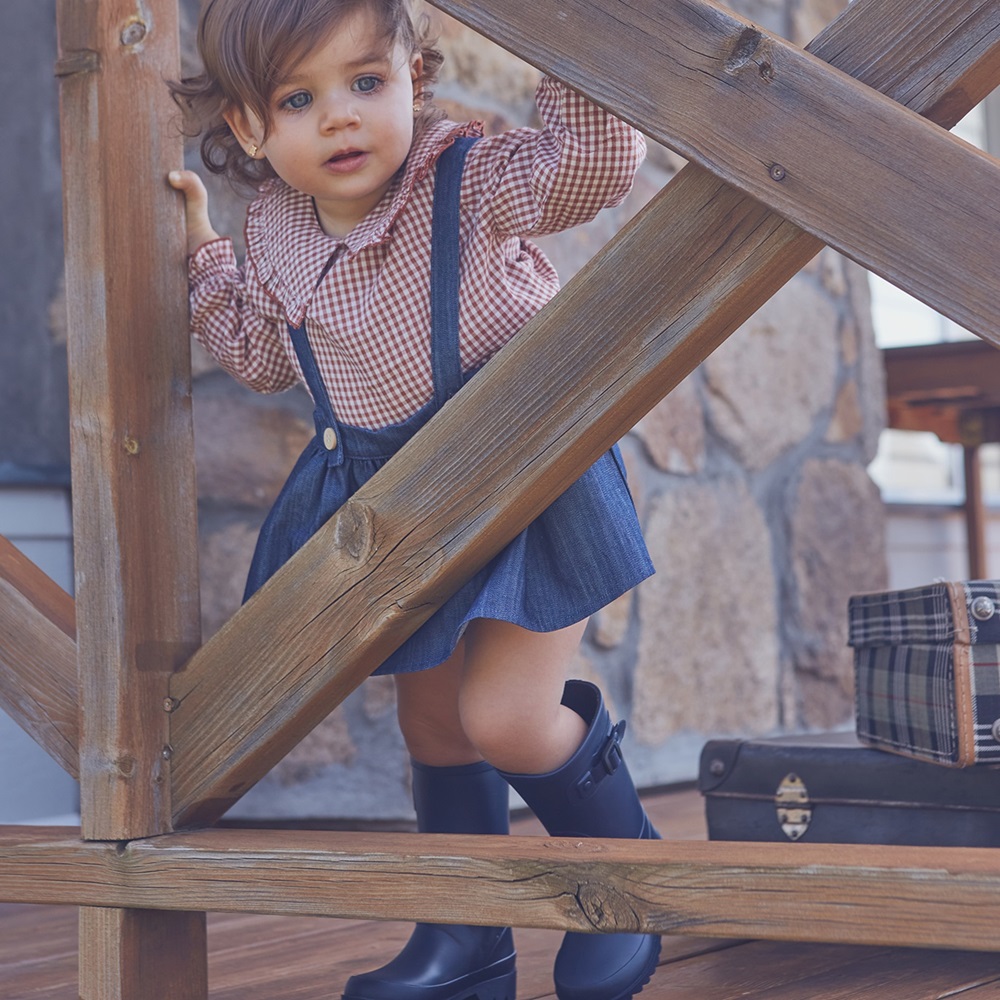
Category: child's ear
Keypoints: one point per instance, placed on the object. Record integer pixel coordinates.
(246, 128)
(416, 71)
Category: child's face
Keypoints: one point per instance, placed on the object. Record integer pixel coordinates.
(342, 122)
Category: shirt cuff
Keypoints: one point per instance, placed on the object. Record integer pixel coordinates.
(212, 258)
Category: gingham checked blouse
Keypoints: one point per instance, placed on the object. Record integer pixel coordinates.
(365, 298)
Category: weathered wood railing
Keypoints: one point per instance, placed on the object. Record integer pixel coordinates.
(792, 150)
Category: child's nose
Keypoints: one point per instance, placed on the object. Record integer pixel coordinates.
(339, 112)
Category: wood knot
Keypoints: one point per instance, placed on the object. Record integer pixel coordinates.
(744, 50)
(354, 530)
(605, 908)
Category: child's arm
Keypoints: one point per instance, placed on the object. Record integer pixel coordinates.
(238, 328)
(199, 227)
(546, 180)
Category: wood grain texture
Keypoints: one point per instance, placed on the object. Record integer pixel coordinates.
(837, 158)
(308, 958)
(38, 683)
(134, 504)
(849, 894)
(260, 957)
(142, 955)
(574, 380)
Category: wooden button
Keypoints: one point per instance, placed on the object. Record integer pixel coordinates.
(329, 439)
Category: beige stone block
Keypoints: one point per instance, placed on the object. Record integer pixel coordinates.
(493, 122)
(769, 14)
(224, 559)
(329, 743)
(850, 342)
(837, 549)
(244, 450)
(475, 65)
(673, 432)
(831, 268)
(708, 651)
(609, 625)
(636, 470)
(870, 367)
(378, 697)
(847, 421)
(771, 379)
(584, 669)
(810, 17)
(664, 159)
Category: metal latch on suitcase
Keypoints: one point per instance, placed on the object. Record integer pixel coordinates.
(792, 803)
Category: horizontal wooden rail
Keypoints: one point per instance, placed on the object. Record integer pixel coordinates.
(635, 322)
(832, 155)
(38, 685)
(927, 897)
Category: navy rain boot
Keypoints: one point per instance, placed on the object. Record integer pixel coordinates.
(592, 795)
(450, 961)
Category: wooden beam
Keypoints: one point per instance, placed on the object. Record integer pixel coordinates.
(134, 500)
(671, 287)
(133, 953)
(975, 513)
(962, 373)
(38, 686)
(839, 159)
(847, 893)
(134, 503)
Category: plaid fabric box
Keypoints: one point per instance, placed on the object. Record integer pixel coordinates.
(927, 671)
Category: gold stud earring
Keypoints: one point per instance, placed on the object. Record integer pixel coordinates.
(252, 151)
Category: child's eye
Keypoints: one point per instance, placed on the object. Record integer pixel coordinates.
(367, 84)
(297, 101)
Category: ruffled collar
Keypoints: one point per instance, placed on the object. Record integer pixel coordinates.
(288, 249)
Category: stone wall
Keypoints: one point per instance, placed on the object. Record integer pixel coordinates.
(749, 478)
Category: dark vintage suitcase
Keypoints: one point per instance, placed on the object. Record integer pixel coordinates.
(828, 788)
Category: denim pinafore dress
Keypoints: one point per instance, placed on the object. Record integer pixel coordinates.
(581, 553)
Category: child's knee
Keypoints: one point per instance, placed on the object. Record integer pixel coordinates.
(511, 732)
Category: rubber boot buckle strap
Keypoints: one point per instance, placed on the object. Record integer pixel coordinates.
(608, 761)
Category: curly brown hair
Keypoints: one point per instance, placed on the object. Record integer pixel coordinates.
(248, 47)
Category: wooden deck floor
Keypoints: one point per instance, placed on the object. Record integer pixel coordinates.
(306, 958)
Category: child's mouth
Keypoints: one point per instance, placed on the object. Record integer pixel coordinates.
(348, 160)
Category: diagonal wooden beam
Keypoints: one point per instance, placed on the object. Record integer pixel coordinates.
(573, 381)
(38, 686)
(825, 151)
(845, 893)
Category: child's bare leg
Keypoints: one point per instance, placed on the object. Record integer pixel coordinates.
(454, 791)
(427, 707)
(512, 686)
(565, 762)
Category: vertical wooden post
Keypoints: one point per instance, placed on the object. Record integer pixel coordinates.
(142, 955)
(134, 504)
(975, 512)
(134, 501)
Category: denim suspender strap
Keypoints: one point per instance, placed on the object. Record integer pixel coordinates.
(445, 359)
(326, 423)
(445, 362)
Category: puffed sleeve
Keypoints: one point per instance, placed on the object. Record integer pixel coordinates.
(539, 181)
(242, 331)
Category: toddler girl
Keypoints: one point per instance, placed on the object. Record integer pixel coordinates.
(387, 261)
